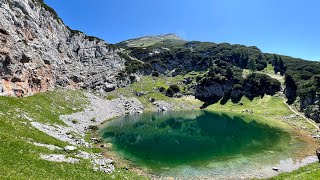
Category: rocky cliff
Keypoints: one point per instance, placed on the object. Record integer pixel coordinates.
(38, 52)
(310, 105)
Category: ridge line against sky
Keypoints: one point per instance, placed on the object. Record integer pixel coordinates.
(287, 27)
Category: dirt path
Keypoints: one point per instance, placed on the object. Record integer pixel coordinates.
(300, 114)
(281, 80)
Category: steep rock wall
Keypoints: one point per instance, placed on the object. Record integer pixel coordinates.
(38, 52)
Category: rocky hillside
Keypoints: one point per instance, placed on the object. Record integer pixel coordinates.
(150, 40)
(38, 52)
(223, 66)
(302, 80)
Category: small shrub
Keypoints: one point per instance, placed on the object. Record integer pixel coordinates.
(169, 92)
(162, 89)
(93, 127)
(175, 88)
(155, 74)
(110, 97)
(237, 86)
(74, 121)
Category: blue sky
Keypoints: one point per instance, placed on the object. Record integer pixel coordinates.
(288, 27)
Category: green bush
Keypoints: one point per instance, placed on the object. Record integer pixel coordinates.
(93, 127)
(175, 88)
(155, 74)
(169, 92)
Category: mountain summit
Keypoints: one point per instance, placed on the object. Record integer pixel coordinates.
(150, 40)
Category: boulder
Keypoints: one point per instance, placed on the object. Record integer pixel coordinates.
(164, 109)
(109, 87)
(69, 148)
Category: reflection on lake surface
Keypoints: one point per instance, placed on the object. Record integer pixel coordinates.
(160, 141)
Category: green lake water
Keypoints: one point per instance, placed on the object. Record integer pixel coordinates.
(196, 143)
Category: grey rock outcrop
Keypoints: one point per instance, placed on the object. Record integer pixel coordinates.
(69, 148)
(213, 89)
(310, 105)
(38, 52)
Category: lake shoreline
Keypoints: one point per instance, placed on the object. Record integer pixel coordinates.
(95, 109)
(284, 165)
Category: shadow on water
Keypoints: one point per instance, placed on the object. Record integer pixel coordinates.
(159, 140)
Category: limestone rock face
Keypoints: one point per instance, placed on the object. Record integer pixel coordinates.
(310, 105)
(38, 52)
(212, 89)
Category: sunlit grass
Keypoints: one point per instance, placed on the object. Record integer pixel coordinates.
(20, 159)
(149, 86)
(309, 172)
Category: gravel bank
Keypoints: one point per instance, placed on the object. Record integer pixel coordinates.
(77, 124)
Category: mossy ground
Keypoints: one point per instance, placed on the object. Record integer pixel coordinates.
(20, 159)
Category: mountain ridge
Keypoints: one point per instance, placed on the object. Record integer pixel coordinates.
(149, 40)
(39, 52)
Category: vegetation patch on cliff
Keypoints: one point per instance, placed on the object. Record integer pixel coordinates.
(150, 88)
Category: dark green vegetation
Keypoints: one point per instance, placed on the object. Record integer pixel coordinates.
(184, 57)
(20, 159)
(305, 74)
(221, 66)
(196, 138)
(220, 84)
(302, 80)
(218, 76)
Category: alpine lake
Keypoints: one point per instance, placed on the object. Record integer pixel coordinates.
(202, 144)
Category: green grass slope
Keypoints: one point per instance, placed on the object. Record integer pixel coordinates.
(149, 86)
(20, 159)
(310, 172)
